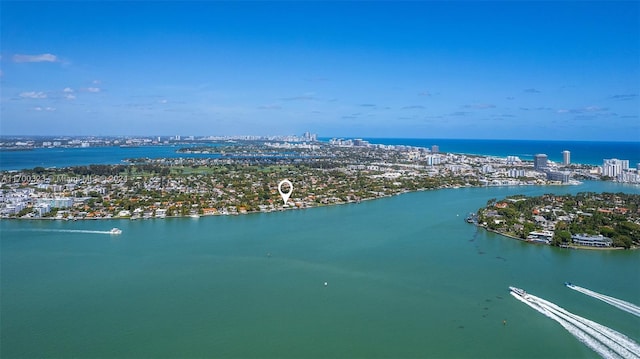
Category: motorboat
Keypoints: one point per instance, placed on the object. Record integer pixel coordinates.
(521, 292)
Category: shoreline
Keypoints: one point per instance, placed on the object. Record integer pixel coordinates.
(283, 209)
(569, 246)
(191, 216)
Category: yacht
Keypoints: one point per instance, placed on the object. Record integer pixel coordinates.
(115, 230)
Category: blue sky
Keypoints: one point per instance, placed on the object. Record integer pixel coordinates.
(504, 70)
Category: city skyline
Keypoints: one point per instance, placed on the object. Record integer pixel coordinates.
(524, 70)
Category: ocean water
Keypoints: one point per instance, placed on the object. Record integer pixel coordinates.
(583, 152)
(406, 277)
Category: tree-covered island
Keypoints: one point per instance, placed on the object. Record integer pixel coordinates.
(607, 220)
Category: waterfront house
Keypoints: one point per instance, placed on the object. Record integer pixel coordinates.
(540, 237)
(591, 240)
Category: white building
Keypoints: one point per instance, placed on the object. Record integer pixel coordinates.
(42, 209)
(614, 167)
(591, 241)
(58, 202)
(433, 160)
(629, 176)
(515, 173)
(513, 160)
(487, 169)
(566, 157)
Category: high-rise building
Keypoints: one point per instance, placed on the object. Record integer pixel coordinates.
(433, 160)
(614, 167)
(513, 159)
(308, 136)
(566, 157)
(515, 173)
(539, 162)
(435, 149)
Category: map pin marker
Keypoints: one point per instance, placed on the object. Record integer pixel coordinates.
(285, 196)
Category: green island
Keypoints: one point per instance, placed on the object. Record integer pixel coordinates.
(584, 220)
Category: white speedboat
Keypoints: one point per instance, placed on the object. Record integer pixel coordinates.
(115, 231)
(518, 291)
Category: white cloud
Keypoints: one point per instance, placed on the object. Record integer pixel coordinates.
(35, 58)
(96, 82)
(48, 109)
(298, 98)
(587, 109)
(33, 94)
(270, 107)
(629, 96)
(480, 106)
(93, 89)
(70, 96)
(595, 109)
(67, 90)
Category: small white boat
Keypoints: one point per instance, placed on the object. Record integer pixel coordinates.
(521, 292)
(115, 231)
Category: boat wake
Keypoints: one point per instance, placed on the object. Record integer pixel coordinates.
(618, 303)
(605, 341)
(70, 231)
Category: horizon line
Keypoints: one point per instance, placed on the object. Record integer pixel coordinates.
(319, 137)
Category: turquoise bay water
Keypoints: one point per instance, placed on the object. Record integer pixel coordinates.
(406, 278)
